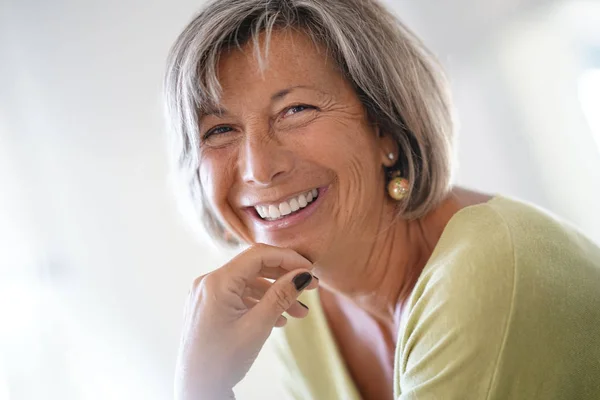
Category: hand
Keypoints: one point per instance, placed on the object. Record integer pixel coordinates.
(231, 312)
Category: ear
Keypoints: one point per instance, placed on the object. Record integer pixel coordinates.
(388, 147)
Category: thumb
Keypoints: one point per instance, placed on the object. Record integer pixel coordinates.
(280, 296)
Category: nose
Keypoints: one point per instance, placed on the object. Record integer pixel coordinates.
(264, 161)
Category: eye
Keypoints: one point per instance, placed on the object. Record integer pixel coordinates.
(218, 130)
(296, 109)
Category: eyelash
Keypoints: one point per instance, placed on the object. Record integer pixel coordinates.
(213, 131)
(284, 112)
(305, 106)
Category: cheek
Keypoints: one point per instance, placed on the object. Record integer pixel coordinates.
(353, 156)
(359, 187)
(351, 153)
(216, 177)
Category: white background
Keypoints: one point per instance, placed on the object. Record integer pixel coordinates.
(94, 261)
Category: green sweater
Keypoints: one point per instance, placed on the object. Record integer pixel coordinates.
(507, 307)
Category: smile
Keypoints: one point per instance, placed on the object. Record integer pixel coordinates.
(273, 212)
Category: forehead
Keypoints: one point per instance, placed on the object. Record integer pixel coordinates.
(292, 59)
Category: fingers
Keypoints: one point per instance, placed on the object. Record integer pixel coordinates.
(272, 273)
(257, 289)
(281, 321)
(250, 302)
(243, 284)
(280, 297)
(267, 261)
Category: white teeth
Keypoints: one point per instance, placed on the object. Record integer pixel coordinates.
(274, 212)
(302, 201)
(285, 208)
(294, 205)
(261, 211)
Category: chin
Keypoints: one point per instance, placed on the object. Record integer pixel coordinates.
(306, 245)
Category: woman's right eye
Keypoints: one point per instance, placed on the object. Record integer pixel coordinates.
(219, 130)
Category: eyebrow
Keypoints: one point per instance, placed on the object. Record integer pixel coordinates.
(220, 111)
(282, 93)
(215, 111)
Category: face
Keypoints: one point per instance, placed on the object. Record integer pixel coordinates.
(290, 158)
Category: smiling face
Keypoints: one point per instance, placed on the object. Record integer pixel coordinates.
(290, 158)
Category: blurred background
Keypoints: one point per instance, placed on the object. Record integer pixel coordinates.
(95, 262)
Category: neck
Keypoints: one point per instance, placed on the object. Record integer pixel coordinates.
(378, 275)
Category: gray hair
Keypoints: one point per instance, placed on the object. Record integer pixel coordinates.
(399, 82)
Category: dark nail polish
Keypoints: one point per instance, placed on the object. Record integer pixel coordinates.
(302, 280)
(302, 304)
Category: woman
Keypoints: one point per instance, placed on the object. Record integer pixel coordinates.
(319, 132)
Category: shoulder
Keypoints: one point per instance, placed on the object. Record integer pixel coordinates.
(460, 308)
(488, 249)
(487, 241)
(495, 296)
(476, 248)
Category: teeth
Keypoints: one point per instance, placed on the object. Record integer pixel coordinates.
(285, 208)
(294, 205)
(272, 212)
(261, 211)
(302, 201)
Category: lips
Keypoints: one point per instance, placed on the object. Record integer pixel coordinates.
(273, 212)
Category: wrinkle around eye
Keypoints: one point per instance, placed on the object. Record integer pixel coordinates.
(304, 107)
(214, 130)
(218, 136)
(297, 119)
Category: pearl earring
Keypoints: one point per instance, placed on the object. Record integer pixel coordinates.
(398, 187)
(391, 156)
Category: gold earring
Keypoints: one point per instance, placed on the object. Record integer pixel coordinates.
(398, 187)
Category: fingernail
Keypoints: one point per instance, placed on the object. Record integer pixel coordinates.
(302, 280)
(302, 304)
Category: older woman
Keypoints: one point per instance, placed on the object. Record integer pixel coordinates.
(319, 132)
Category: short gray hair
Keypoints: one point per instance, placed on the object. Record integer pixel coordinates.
(398, 80)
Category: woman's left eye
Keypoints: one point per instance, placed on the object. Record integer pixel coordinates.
(296, 109)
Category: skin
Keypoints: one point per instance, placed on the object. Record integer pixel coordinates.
(295, 126)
